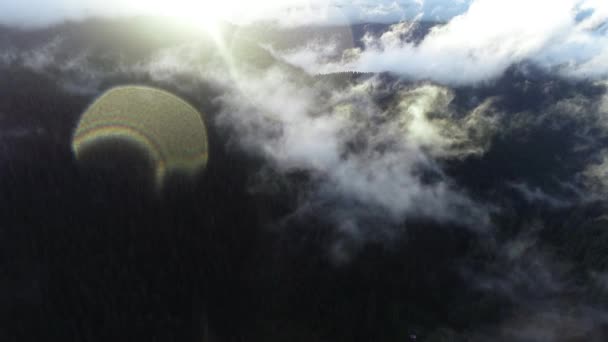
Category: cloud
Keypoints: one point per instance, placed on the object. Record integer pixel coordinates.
(365, 161)
(425, 117)
(480, 44)
(317, 56)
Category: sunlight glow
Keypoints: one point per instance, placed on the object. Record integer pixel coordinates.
(208, 13)
(205, 15)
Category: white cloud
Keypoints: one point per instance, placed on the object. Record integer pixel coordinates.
(490, 36)
(356, 160)
(426, 119)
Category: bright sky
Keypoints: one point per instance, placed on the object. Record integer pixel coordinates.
(289, 12)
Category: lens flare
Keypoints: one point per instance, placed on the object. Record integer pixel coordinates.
(169, 131)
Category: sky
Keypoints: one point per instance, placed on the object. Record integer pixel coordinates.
(42, 12)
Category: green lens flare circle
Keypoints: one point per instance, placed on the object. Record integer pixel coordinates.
(170, 132)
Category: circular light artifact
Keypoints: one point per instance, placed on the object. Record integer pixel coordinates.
(130, 123)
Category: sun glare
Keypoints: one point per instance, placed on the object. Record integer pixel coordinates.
(208, 14)
(204, 15)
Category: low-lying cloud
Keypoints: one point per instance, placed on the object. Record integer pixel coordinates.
(479, 45)
(381, 162)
